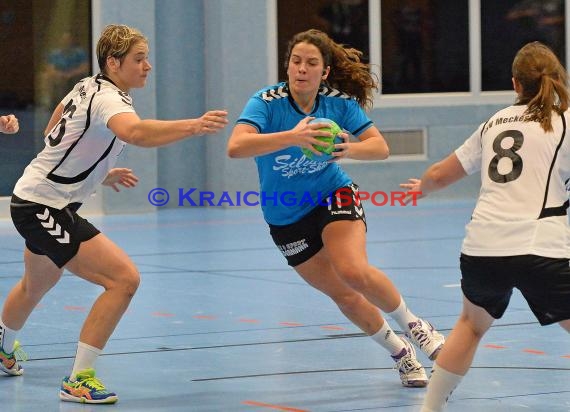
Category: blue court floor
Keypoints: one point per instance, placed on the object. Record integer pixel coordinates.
(221, 323)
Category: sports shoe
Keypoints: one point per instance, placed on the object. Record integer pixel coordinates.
(85, 389)
(9, 361)
(425, 337)
(412, 373)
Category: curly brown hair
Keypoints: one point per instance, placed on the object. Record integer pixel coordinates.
(544, 83)
(348, 73)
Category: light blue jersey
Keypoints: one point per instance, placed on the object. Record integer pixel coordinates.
(291, 184)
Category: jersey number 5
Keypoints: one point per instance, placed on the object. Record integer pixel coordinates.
(68, 111)
(511, 153)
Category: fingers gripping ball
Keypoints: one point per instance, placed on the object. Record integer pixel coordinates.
(328, 142)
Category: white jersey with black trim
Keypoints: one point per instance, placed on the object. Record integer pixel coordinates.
(523, 202)
(80, 149)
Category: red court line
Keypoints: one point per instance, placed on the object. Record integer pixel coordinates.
(162, 314)
(332, 327)
(495, 346)
(270, 406)
(205, 317)
(248, 320)
(566, 356)
(290, 324)
(534, 351)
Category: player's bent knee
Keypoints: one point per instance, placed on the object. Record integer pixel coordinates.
(355, 276)
(348, 302)
(469, 326)
(126, 280)
(130, 281)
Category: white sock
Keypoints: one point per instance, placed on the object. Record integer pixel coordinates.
(7, 338)
(441, 384)
(84, 358)
(403, 315)
(388, 339)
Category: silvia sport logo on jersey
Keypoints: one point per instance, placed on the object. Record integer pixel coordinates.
(53, 228)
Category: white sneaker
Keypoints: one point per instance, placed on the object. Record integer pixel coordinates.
(425, 337)
(412, 373)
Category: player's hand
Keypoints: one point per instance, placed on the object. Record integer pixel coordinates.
(341, 150)
(413, 190)
(120, 176)
(305, 134)
(211, 122)
(9, 124)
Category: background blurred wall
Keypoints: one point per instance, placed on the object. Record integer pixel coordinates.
(214, 54)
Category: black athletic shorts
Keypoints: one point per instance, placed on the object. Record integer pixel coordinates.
(302, 240)
(544, 282)
(51, 232)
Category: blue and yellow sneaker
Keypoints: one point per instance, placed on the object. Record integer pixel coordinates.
(9, 361)
(85, 389)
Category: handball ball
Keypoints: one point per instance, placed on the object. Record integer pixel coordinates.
(328, 142)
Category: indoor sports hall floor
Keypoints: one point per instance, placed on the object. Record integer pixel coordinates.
(221, 323)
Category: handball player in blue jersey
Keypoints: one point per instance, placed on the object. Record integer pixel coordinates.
(319, 225)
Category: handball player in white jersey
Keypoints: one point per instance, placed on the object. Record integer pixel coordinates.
(326, 242)
(519, 235)
(85, 135)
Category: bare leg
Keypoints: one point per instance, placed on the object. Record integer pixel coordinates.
(319, 273)
(102, 262)
(40, 275)
(345, 242)
(456, 356)
(459, 349)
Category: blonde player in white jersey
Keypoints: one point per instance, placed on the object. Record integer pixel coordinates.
(519, 235)
(85, 135)
(9, 124)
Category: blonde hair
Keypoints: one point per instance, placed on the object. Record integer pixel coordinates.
(347, 73)
(116, 40)
(544, 83)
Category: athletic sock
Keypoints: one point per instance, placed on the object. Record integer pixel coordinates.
(441, 384)
(7, 338)
(388, 339)
(84, 358)
(403, 315)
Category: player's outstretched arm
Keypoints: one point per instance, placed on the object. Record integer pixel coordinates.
(436, 177)
(153, 133)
